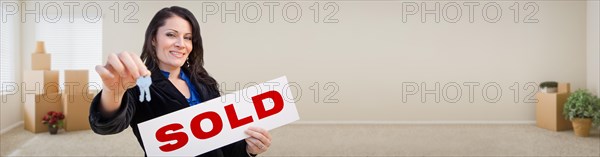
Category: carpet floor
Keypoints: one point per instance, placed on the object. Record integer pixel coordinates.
(339, 140)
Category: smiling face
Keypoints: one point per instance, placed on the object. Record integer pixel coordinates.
(173, 43)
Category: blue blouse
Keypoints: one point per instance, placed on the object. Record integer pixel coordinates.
(194, 95)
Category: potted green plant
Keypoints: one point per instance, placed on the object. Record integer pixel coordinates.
(549, 86)
(583, 109)
(54, 120)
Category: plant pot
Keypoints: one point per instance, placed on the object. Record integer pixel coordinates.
(52, 130)
(581, 126)
(549, 89)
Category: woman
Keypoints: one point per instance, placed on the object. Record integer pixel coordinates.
(173, 57)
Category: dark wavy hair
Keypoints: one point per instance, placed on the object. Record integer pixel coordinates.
(195, 63)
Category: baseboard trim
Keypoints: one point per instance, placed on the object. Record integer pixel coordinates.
(4, 130)
(411, 122)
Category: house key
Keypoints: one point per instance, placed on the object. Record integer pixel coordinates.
(144, 83)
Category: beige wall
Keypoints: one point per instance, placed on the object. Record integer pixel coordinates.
(10, 110)
(370, 54)
(593, 48)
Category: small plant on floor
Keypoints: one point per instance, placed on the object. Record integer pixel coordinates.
(583, 109)
(54, 120)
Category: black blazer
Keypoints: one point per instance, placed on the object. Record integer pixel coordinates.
(165, 99)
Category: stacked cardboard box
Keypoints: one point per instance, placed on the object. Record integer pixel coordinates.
(549, 109)
(76, 100)
(40, 60)
(40, 91)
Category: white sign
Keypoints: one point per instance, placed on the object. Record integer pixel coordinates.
(221, 121)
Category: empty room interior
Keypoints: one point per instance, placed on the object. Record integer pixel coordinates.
(300, 78)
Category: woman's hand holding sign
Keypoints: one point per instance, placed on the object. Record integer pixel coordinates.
(259, 140)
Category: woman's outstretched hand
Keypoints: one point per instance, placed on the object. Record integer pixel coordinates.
(119, 74)
(259, 140)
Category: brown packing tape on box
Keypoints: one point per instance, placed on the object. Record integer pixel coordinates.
(40, 81)
(76, 109)
(76, 82)
(549, 109)
(41, 61)
(38, 105)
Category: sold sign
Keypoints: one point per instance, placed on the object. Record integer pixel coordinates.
(218, 122)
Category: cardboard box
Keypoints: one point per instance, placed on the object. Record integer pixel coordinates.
(564, 88)
(76, 109)
(76, 82)
(40, 82)
(40, 61)
(36, 106)
(549, 109)
(40, 47)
